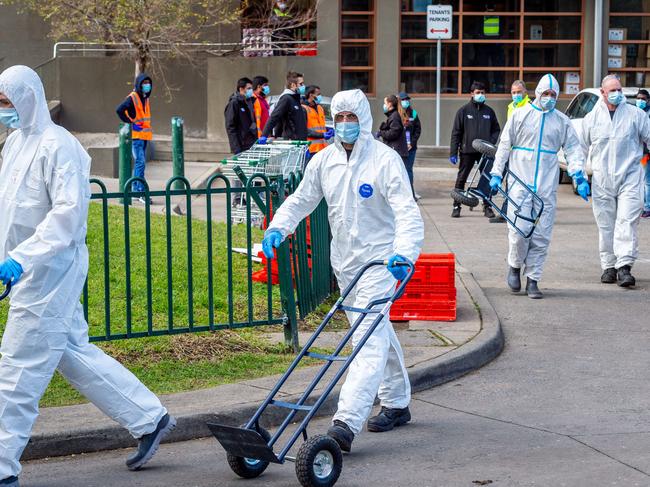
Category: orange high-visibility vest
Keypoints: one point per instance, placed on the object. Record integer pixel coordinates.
(142, 118)
(261, 116)
(316, 122)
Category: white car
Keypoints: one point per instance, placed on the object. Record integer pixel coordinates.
(582, 104)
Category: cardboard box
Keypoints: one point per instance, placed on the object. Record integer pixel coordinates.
(571, 89)
(614, 62)
(617, 34)
(615, 50)
(572, 77)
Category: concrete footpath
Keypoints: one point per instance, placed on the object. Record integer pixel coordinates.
(435, 353)
(565, 404)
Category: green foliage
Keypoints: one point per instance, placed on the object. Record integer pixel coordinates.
(150, 26)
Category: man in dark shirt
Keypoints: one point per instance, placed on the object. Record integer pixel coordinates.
(288, 117)
(475, 120)
(240, 119)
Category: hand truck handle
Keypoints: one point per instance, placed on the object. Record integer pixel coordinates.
(373, 263)
(6, 291)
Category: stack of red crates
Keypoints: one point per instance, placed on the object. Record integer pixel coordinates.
(430, 295)
(261, 275)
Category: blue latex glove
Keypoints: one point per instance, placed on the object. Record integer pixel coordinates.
(262, 140)
(271, 240)
(398, 272)
(136, 127)
(495, 182)
(10, 271)
(329, 134)
(583, 188)
(377, 134)
(582, 185)
(453, 160)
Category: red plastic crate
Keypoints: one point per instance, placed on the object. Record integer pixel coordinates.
(419, 310)
(431, 293)
(434, 271)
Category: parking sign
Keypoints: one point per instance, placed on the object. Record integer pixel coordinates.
(439, 21)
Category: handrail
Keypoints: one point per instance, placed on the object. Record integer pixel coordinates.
(211, 47)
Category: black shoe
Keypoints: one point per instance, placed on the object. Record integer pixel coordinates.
(388, 419)
(148, 444)
(10, 482)
(532, 290)
(455, 213)
(497, 219)
(342, 433)
(609, 276)
(487, 212)
(514, 279)
(625, 279)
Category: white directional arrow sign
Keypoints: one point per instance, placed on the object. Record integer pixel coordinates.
(439, 21)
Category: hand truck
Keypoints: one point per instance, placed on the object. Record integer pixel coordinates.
(319, 461)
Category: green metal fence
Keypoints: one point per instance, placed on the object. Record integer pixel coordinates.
(159, 274)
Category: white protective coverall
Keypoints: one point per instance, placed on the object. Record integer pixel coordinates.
(617, 183)
(369, 223)
(531, 140)
(44, 198)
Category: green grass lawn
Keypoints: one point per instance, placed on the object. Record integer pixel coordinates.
(176, 363)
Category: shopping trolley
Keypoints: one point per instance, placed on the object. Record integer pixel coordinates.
(319, 460)
(276, 160)
(522, 214)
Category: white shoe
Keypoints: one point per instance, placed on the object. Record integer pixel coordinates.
(417, 197)
(143, 200)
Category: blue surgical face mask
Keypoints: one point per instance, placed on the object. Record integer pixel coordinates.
(319, 98)
(385, 108)
(517, 98)
(266, 90)
(405, 104)
(146, 88)
(641, 104)
(348, 132)
(479, 98)
(301, 90)
(249, 93)
(9, 117)
(615, 97)
(547, 102)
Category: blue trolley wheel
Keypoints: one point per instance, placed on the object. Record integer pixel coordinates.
(249, 468)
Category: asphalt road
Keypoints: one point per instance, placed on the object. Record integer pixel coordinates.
(566, 404)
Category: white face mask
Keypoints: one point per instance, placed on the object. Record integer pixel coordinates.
(547, 102)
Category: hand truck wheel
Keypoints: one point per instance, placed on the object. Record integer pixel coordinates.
(249, 468)
(464, 198)
(319, 462)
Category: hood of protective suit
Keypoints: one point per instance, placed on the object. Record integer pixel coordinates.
(548, 82)
(354, 101)
(25, 90)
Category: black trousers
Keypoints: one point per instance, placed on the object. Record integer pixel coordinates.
(465, 167)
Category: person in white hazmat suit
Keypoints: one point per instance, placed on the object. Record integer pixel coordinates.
(531, 140)
(372, 216)
(613, 134)
(44, 198)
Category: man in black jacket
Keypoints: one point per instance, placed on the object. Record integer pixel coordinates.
(136, 111)
(475, 120)
(288, 117)
(240, 118)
